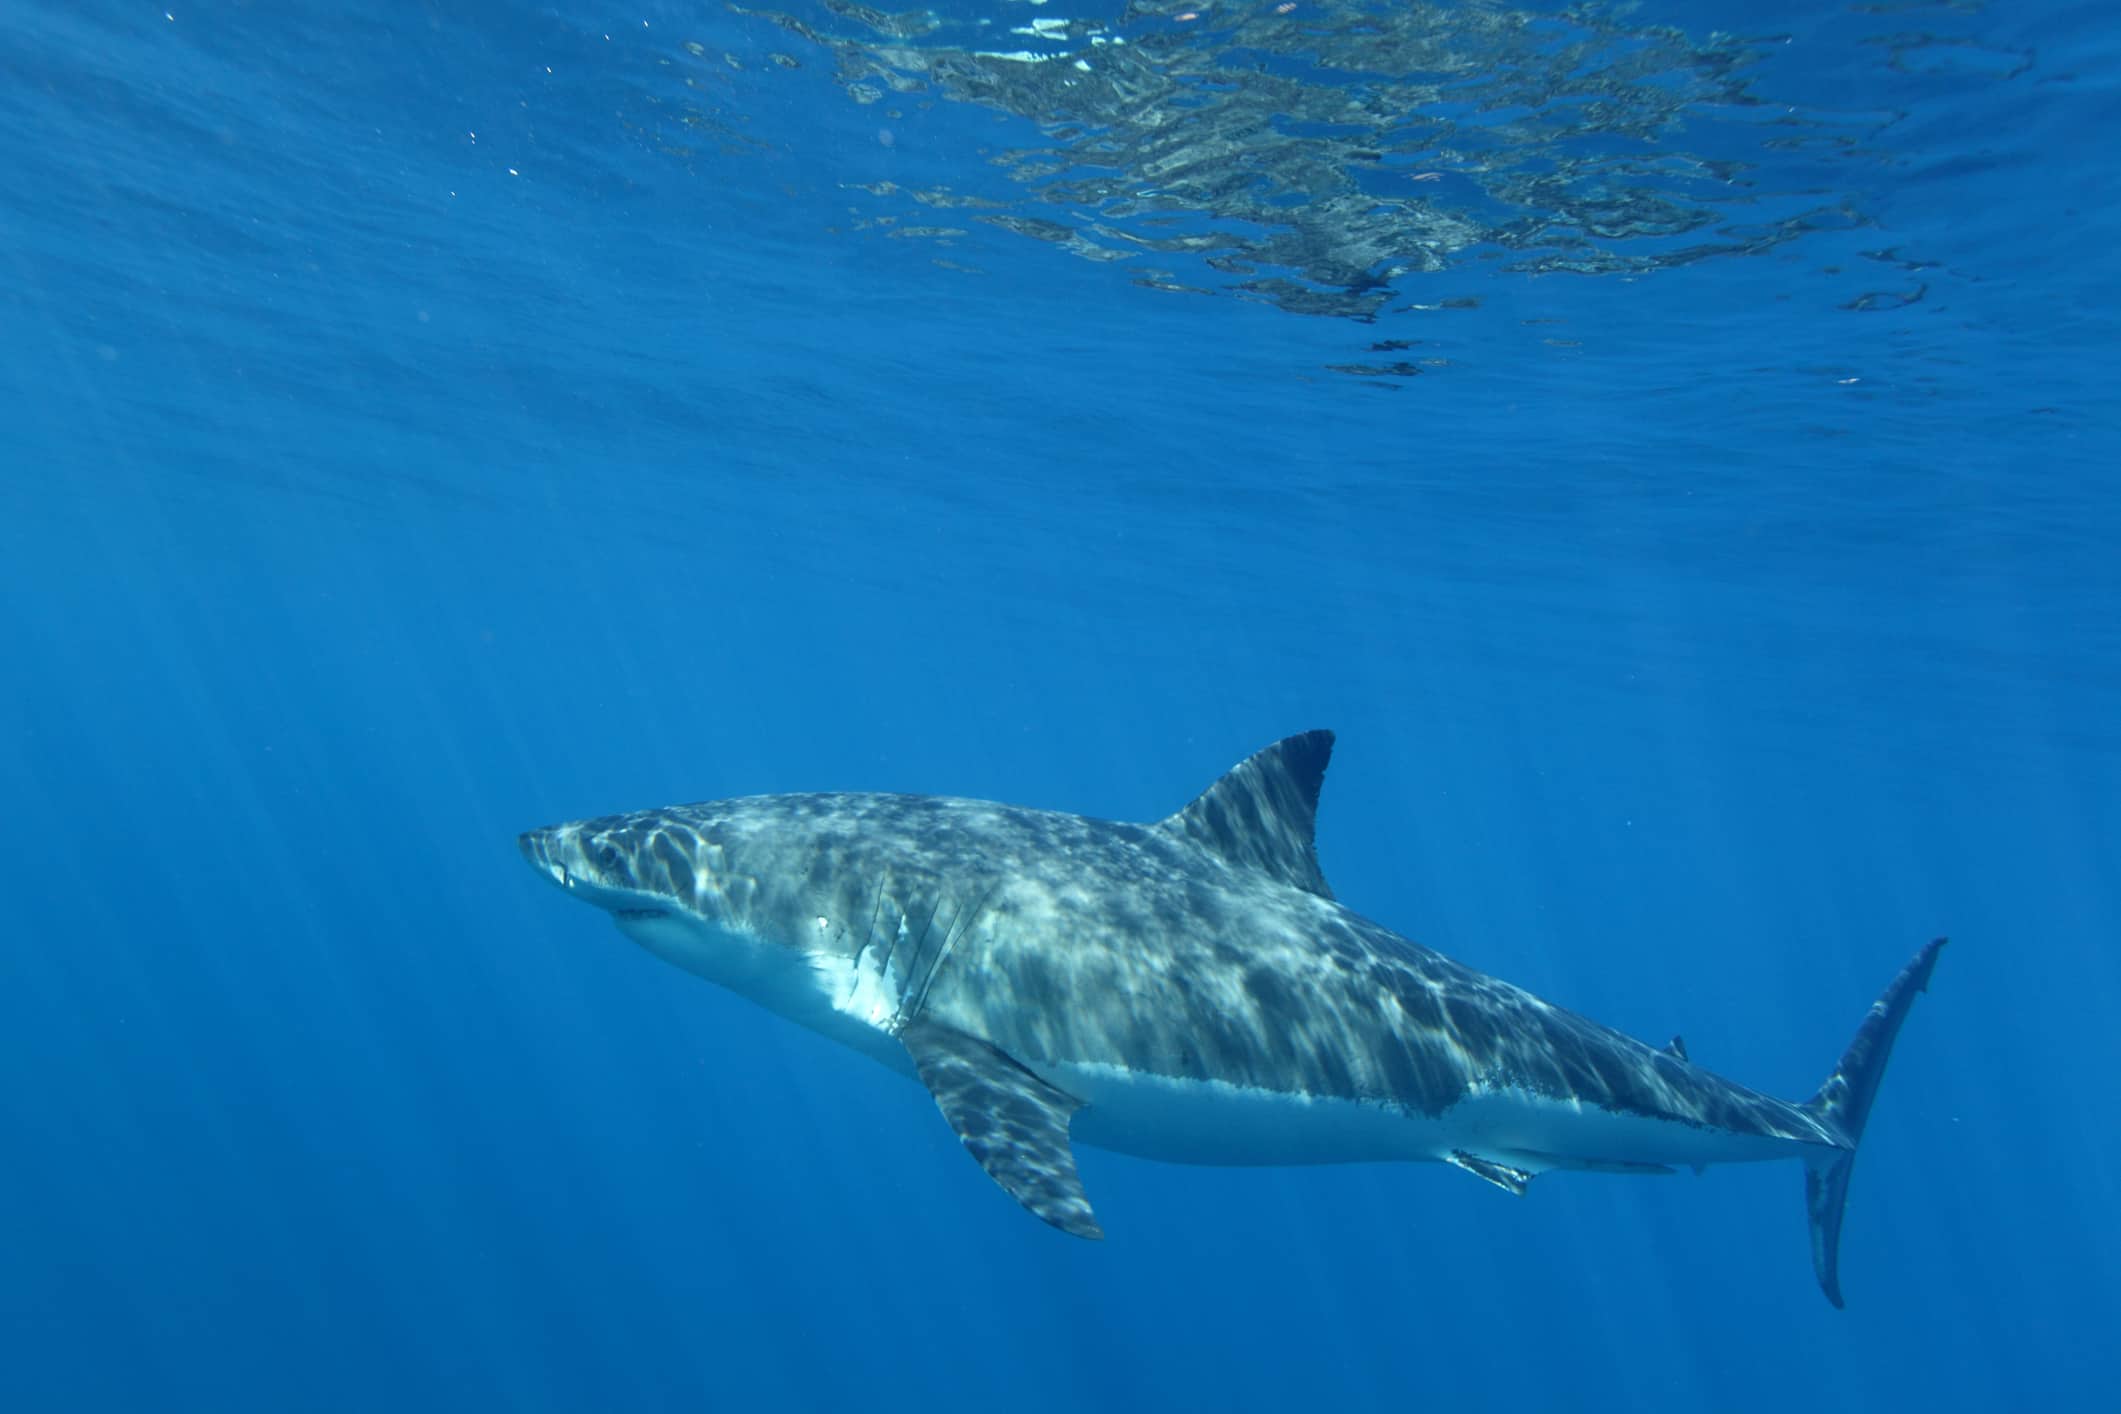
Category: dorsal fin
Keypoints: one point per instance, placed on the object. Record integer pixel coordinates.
(1264, 813)
(1677, 1047)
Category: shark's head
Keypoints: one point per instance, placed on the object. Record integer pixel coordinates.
(721, 889)
(642, 867)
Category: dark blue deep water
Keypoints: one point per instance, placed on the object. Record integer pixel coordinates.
(1675, 446)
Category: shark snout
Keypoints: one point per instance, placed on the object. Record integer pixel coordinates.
(584, 858)
(556, 852)
(536, 846)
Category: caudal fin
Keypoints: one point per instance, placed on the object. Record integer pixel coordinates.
(1843, 1104)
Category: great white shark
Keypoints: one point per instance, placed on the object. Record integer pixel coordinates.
(1187, 990)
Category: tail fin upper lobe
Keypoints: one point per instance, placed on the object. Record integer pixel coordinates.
(1843, 1104)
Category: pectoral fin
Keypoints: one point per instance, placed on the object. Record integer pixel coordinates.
(1511, 1180)
(1014, 1123)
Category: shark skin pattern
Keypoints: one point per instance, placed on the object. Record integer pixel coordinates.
(1187, 990)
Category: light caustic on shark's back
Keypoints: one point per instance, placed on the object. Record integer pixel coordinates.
(1187, 990)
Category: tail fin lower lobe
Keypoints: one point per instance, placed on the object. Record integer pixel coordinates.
(1843, 1104)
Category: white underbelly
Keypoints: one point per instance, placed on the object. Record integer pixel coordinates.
(852, 1003)
(855, 1002)
(1214, 1122)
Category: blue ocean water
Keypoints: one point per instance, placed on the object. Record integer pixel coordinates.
(1673, 445)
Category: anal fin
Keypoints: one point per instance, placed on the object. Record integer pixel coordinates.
(1014, 1123)
(1503, 1176)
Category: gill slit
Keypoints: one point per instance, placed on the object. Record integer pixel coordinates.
(906, 1012)
(898, 931)
(959, 927)
(876, 911)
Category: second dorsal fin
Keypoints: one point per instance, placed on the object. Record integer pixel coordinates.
(1264, 813)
